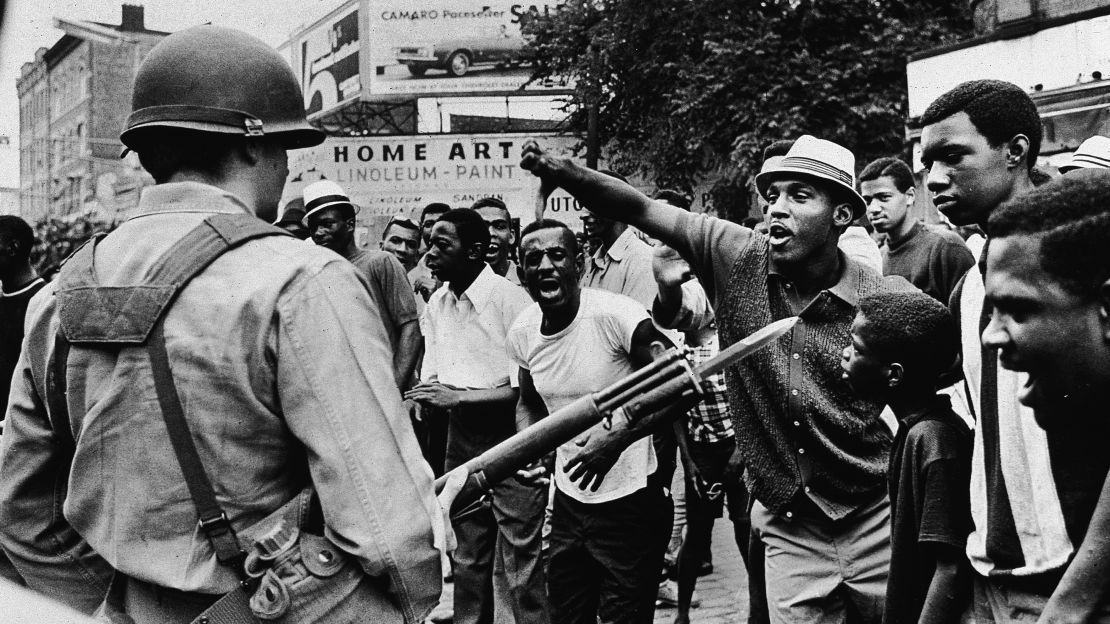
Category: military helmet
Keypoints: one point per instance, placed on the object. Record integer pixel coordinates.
(218, 80)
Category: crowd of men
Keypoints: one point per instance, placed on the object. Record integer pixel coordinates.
(211, 419)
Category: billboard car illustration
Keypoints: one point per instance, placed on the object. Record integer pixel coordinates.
(458, 56)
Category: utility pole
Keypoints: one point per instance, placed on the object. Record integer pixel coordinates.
(593, 101)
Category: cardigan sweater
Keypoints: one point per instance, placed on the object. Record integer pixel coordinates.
(801, 430)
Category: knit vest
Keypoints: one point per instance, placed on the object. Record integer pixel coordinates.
(845, 447)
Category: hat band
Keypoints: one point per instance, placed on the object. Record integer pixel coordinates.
(1097, 161)
(819, 168)
(326, 199)
(171, 113)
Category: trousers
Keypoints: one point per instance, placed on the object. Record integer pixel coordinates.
(995, 602)
(605, 558)
(820, 570)
(499, 568)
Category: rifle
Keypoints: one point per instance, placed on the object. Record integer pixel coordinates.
(666, 388)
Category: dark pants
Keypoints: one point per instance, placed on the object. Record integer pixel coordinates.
(499, 571)
(711, 459)
(605, 558)
(431, 433)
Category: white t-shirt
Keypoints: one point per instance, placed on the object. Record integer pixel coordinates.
(588, 355)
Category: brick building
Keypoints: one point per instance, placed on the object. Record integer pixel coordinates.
(73, 102)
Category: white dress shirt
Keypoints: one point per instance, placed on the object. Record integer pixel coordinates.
(465, 336)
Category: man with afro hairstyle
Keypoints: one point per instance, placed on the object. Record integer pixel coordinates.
(979, 142)
(931, 259)
(1048, 284)
(901, 345)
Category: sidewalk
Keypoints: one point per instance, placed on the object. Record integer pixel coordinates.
(724, 593)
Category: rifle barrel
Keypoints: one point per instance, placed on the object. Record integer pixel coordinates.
(663, 375)
(635, 378)
(505, 458)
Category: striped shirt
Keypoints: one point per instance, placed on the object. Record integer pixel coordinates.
(1019, 521)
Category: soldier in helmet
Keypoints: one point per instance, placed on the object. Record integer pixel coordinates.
(198, 379)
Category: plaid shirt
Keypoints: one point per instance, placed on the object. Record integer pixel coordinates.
(709, 420)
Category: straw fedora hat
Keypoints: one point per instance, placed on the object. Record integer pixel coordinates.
(326, 194)
(1094, 153)
(818, 159)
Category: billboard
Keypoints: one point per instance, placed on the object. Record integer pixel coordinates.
(390, 176)
(420, 47)
(1051, 58)
(328, 58)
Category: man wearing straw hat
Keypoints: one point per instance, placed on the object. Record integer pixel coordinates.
(1094, 153)
(330, 216)
(815, 455)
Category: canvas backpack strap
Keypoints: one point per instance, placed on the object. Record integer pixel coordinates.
(203, 244)
(184, 261)
(212, 520)
(133, 315)
(56, 368)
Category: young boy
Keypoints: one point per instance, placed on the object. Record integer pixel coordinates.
(901, 343)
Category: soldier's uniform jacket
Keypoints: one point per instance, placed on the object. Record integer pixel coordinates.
(285, 375)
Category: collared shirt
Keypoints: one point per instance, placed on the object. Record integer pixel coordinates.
(710, 420)
(624, 268)
(277, 354)
(513, 275)
(801, 430)
(465, 335)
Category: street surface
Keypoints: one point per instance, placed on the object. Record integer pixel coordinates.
(724, 593)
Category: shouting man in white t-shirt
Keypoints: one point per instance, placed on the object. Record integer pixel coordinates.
(610, 519)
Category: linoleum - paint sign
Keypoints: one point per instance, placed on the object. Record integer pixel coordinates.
(390, 176)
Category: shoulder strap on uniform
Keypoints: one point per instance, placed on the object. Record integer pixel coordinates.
(206, 242)
(95, 314)
(211, 519)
